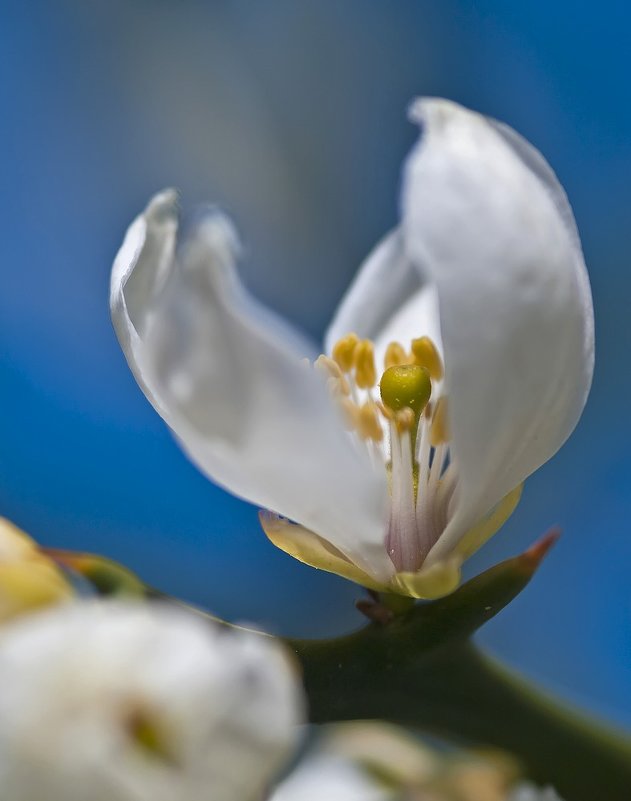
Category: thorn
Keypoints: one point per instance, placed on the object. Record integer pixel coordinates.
(534, 555)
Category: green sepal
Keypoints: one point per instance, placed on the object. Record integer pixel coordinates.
(464, 611)
(106, 576)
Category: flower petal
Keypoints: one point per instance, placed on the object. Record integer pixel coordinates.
(312, 550)
(388, 301)
(482, 531)
(228, 378)
(434, 581)
(327, 776)
(138, 275)
(488, 224)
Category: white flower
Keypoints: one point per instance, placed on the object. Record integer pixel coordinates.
(481, 298)
(528, 792)
(326, 776)
(374, 760)
(113, 702)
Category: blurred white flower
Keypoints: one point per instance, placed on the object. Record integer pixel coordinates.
(477, 310)
(375, 760)
(528, 792)
(332, 778)
(113, 702)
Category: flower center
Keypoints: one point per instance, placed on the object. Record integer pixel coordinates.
(405, 428)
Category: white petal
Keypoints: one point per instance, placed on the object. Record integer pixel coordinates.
(228, 377)
(388, 301)
(528, 792)
(140, 269)
(331, 778)
(488, 224)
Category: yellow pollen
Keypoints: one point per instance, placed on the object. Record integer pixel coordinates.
(439, 431)
(364, 359)
(395, 355)
(426, 355)
(344, 352)
(368, 426)
(406, 386)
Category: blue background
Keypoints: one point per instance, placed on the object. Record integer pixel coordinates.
(292, 116)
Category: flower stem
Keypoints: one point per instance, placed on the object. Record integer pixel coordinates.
(454, 691)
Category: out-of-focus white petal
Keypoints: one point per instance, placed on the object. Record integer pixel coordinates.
(330, 778)
(228, 378)
(528, 792)
(388, 301)
(113, 702)
(487, 224)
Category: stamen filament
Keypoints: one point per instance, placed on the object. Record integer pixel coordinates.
(402, 547)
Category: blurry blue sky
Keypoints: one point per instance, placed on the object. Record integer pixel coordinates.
(292, 116)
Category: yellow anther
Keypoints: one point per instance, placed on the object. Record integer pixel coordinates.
(337, 383)
(439, 429)
(426, 355)
(338, 388)
(350, 414)
(406, 386)
(329, 366)
(364, 359)
(368, 426)
(395, 355)
(344, 351)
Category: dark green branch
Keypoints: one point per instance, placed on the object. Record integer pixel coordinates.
(457, 693)
(421, 670)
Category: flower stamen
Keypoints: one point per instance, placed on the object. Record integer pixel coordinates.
(421, 477)
(426, 355)
(439, 430)
(367, 422)
(364, 361)
(395, 355)
(344, 352)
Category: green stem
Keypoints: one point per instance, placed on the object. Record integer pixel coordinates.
(456, 692)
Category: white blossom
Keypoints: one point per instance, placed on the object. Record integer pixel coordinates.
(528, 792)
(476, 309)
(113, 702)
(331, 778)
